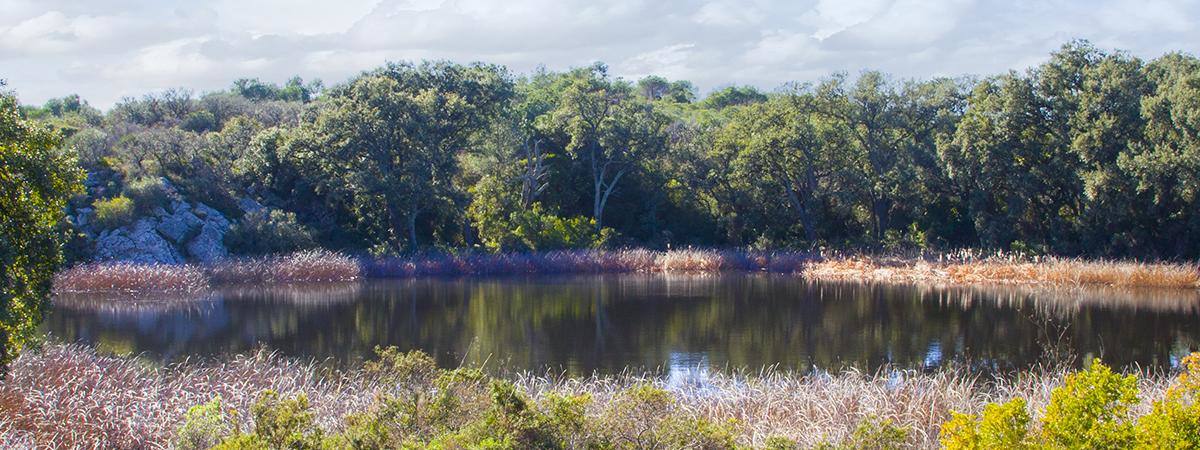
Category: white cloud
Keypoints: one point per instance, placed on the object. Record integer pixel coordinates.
(106, 49)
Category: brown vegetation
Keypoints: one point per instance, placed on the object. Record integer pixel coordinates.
(964, 268)
(67, 395)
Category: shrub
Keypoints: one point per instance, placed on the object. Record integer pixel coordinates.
(1091, 410)
(278, 423)
(199, 122)
(539, 230)
(1174, 421)
(267, 232)
(875, 434)
(1002, 426)
(147, 194)
(204, 426)
(115, 212)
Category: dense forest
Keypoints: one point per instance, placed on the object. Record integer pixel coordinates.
(1091, 153)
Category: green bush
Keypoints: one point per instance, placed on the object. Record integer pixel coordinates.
(115, 212)
(147, 194)
(279, 423)
(1002, 426)
(267, 232)
(875, 434)
(203, 427)
(1174, 421)
(1092, 410)
(539, 230)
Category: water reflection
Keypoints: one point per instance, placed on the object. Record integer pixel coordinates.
(672, 323)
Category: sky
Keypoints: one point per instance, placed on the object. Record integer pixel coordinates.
(105, 50)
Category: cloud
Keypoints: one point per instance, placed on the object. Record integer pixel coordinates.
(107, 49)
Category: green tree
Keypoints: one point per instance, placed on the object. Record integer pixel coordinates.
(610, 130)
(1167, 164)
(36, 179)
(778, 147)
(387, 144)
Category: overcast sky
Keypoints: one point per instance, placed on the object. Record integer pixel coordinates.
(108, 49)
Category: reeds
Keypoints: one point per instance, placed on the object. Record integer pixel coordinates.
(1000, 269)
(67, 396)
(962, 267)
(310, 266)
(130, 278)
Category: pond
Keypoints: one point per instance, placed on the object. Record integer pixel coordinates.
(581, 325)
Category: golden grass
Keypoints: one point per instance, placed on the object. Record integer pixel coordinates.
(68, 396)
(965, 268)
(1047, 271)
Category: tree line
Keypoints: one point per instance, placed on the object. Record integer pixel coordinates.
(1092, 153)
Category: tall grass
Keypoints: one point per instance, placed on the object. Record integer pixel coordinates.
(962, 267)
(308, 266)
(68, 396)
(130, 278)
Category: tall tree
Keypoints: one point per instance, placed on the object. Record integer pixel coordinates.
(387, 144)
(36, 179)
(610, 129)
(779, 147)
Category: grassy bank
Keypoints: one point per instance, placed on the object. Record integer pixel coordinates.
(67, 395)
(323, 266)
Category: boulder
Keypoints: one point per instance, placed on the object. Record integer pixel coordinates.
(180, 224)
(209, 244)
(139, 243)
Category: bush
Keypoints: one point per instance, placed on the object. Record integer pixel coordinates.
(278, 423)
(268, 232)
(115, 212)
(875, 434)
(203, 427)
(1002, 426)
(199, 122)
(539, 230)
(148, 194)
(1092, 410)
(1174, 421)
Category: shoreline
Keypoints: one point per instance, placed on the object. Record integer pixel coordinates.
(955, 269)
(69, 394)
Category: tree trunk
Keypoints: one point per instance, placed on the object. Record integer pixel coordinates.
(412, 230)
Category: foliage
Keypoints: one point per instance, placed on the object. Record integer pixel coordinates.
(1174, 421)
(36, 180)
(268, 231)
(1091, 153)
(1002, 426)
(1091, 410)
(115, 212)
(147, 194)
(204, 426)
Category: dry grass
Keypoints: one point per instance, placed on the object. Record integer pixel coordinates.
(324, 266)
(311, 266)
(68, 396)
(130, 277)
(1045, 271)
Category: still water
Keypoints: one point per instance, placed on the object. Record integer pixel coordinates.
(607, 323)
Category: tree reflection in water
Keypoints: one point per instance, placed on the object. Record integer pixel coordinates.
(606, 323)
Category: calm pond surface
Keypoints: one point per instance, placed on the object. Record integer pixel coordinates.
(606, 323)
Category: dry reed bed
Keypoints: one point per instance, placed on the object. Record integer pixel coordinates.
(1045, 271)
(324, 266)
(68, 396)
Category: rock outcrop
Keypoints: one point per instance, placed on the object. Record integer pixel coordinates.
(138, 243)
(178, 233)
(209, 245)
